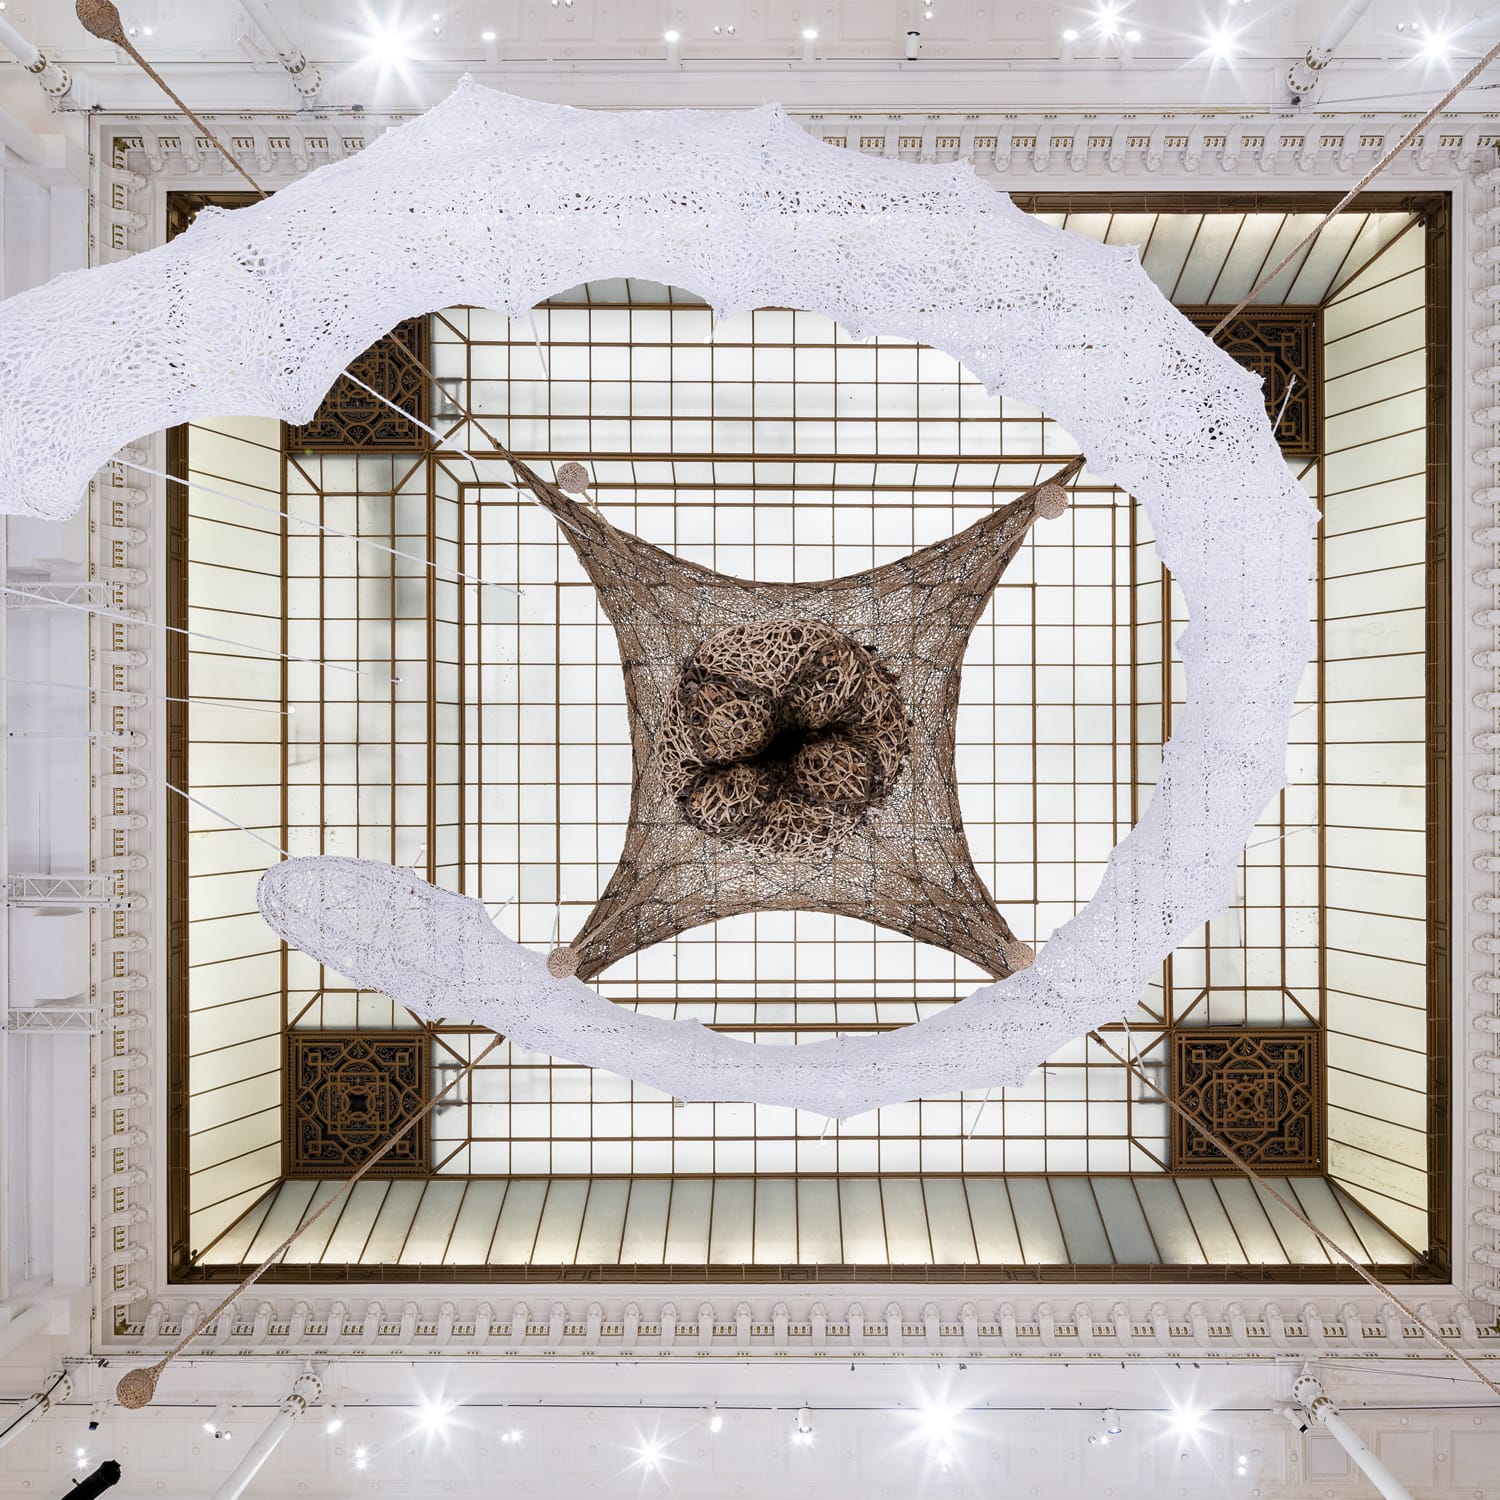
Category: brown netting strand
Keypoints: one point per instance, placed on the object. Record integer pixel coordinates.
(793, 743)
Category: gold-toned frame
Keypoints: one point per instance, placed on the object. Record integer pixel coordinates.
(1432, 211)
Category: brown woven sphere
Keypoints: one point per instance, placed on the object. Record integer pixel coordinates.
(572, 478)
(101, 19)
(733, 721)
(562, 963)
(136, 1387)
(784, 733)
(1019, 955)
(1051, 501)
(729, 800)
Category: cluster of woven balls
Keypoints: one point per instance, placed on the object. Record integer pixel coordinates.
(783, 732)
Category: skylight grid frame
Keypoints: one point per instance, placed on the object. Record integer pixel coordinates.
(1060, 1127)
(732, 480)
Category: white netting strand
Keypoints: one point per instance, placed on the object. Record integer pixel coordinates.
(500, 202)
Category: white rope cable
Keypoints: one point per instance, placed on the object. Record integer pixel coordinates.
(82, 687)
(286, 515)
(198, 635)
(223, 817)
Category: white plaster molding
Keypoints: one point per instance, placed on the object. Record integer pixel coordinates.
(746, 1322)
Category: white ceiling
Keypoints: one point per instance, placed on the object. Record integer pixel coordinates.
(878, 1432)
(974, 54)
(995, 31)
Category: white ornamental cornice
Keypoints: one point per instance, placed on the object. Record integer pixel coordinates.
(138, 159)
(874, 1322)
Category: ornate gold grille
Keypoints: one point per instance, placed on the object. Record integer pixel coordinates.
(1260, 1092)
(346, 1091)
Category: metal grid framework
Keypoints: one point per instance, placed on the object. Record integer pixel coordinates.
(1047, 750)
(773, 446)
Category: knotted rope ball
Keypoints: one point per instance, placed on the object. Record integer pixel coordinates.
(572, 477)
(135, 1388)
(784, 733)
(562, 963)
(1051, 501)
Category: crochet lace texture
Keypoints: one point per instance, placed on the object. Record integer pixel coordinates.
(501, 202)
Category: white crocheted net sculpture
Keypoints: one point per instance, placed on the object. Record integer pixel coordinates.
(501, 202)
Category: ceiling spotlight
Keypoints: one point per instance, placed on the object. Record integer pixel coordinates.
(361, 1458)
(937, 1425)
(1436, 47)
(81, 1457)
(434, 1418)
(715, 1419)
(648, 1455)
(1132, 36)
(809, 44)
(1112, 1427)
(671, 36)
(802, 1427)
(385, 47)
(1107, 21)
(1185, 1421)
(1220, 44)
(218, 1424)
(809, 33)
(335, 1419)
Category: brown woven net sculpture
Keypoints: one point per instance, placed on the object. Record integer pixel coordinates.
(793, 744)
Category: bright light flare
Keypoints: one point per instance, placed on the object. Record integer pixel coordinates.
(1436, 47)
(434, 1418)
(385, 47)
(937, 1426)
(1185, 1421)
(1220, 44)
